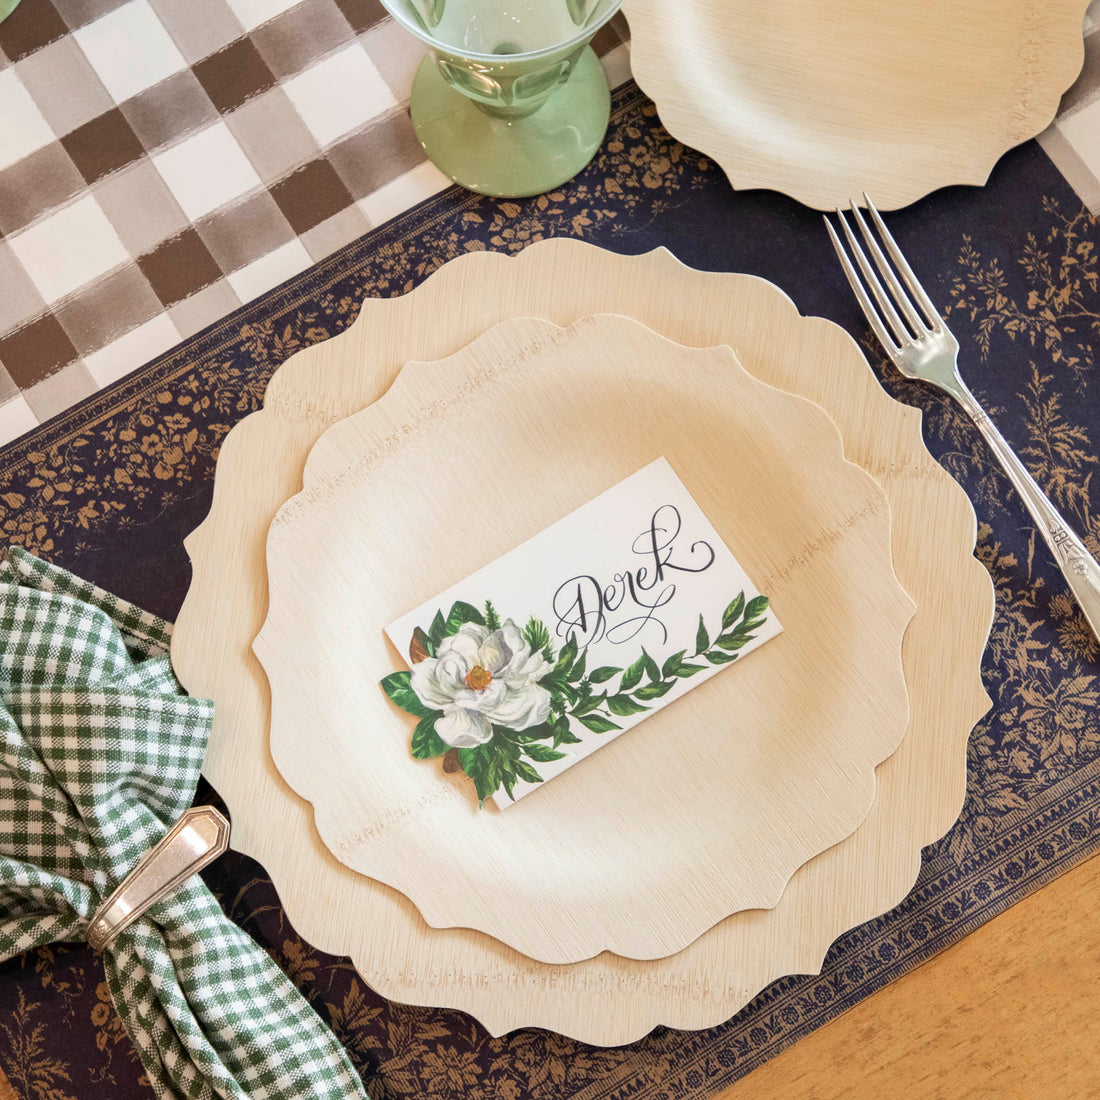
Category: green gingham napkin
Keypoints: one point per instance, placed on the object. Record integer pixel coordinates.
(101, 755)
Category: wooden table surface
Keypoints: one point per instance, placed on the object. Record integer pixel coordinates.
(1012, 1011)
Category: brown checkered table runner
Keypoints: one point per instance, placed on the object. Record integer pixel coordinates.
(164, 161)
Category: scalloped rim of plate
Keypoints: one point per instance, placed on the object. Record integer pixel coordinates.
(1062, 48)
(454, 909)
(697, 1000)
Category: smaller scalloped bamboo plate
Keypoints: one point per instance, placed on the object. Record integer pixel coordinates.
(826, 101)
(710, 805)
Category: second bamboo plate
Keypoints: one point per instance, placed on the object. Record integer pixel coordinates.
(708, 806)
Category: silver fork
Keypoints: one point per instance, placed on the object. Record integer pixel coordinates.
(921, 346)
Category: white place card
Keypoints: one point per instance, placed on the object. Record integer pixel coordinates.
(567, 641)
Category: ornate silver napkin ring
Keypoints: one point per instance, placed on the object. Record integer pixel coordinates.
(197, 839)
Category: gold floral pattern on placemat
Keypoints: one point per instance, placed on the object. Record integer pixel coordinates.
(121, 479)
(1045, 300)
(64, 993)
(30, 1063)
(1059, 313)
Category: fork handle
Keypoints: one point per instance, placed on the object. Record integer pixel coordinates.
(1078, 566)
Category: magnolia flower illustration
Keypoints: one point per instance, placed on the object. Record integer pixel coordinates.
(497, 702)
(479, 678)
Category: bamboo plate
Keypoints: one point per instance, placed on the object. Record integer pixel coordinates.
(825, 101)
(708, 806)
(607, 1000)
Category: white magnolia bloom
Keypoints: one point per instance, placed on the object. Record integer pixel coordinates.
(478, 678)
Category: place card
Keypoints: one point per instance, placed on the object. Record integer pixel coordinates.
(581, 632)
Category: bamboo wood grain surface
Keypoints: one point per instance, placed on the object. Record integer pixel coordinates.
(1012, 1012)
(396, 952)
(839, 101)
(820, 706)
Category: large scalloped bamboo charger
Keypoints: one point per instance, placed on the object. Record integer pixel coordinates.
(609, 999)
(825, 101)
(710, 805)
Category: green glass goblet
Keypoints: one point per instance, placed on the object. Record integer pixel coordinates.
(511, 100)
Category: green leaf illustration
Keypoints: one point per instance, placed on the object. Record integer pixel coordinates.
(476, 764)
(492, 620)
(686, 670)
(426, 743)
(733, 612)
(717, 657)
(577, 671)
(672, 664)
(469, 760)
(562, 694)
(702, 638)
(752, 616)
(633, 675)
(597, 723)
(756, 606)
(536, 635)
(495, 770)
(563, 735)
(589, 704)
(603, 674)
(421, 647)
(460, 614)
(438, 630)
(523, 737)
(651, 669)
(623, 705)
(567, 656)
(398, 686)
(543, 753)
(553, 679)
(525, 771)
(654, 690)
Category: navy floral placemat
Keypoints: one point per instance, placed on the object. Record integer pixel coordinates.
(110, 489)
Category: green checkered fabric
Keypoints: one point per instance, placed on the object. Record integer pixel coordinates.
(101, 755)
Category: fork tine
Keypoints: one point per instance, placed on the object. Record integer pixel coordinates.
(861, 294)
(900, 298)
(931, 314)
(886, 306)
